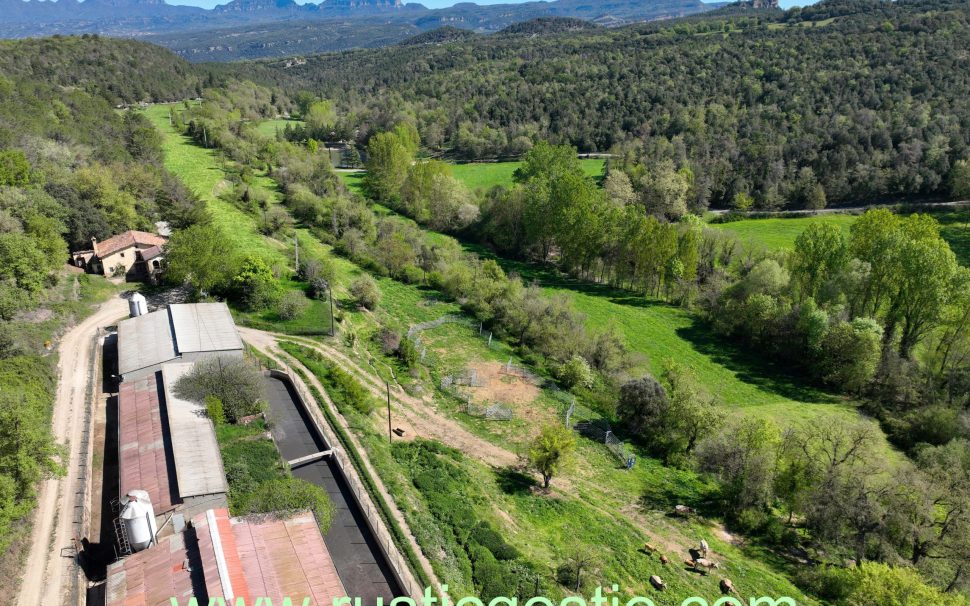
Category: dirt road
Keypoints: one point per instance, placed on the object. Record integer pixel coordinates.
(47, 572)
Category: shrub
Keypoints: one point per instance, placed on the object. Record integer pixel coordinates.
(411, 274)
(408, 353)
(233, 381)
(292, 305)
(287, 496)
(215, 410)
(575, 372)
(390, 341)
(365, 292)
(254, 286)
(319, 289)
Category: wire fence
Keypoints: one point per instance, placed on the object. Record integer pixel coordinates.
(495, 412)
(599, 430)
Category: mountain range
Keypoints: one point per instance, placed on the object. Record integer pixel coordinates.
(373, 22)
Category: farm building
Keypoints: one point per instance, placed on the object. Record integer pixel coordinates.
(222, 557)
(186, 333)
(134, 255)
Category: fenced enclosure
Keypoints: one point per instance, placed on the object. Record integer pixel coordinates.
(467, 378)
(495, 412)
(520, 372)
(599, 431)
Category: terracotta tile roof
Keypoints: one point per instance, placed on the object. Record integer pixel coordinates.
(142, 459)
(127, 240)
(272, 557)
(150, 253)
(151, 577)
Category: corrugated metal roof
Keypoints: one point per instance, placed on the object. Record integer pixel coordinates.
(145, 341)
(277, 558)
(151, 577)
(198, 464)
(142, 461)
(204, 327)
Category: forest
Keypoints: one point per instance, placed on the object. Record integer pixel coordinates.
(71, 169)
(849, 101)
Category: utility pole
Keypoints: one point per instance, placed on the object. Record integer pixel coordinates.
(330, 288)
(389, 434)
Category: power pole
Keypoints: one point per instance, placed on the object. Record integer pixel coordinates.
(389, 434)
(330, 288)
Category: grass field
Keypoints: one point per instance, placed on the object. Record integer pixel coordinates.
(779, 233)
(269, 127)
(484, 175)
(480, 175)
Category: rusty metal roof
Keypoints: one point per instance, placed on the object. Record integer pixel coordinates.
(247, 558)
(151, 577)
(141, 457)
(270, 557)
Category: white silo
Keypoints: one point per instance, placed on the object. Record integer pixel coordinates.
(138, 516)
(137, 305)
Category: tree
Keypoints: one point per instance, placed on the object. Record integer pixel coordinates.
(255, 286)
(875, 584)
(201, 257)
(815, 199)
(365, 292)
(619, 188)
(691, 415)
(642, 407)
(575, 372)
(821, 252)
(292, 305)
(233, 381)
(960, 179)
(664, 191)
(388, 162)
(849, 353)
(742, 201)
(14, 168)
(742, 458)
(551, 451)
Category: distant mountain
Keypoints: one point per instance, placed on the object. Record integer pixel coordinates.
(250, 28)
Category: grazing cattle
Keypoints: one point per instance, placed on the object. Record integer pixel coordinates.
(704, 548)
(657, 583)
(727, 587)
(695, 554)
(704, 566)
(664, 560)
(649, 547)
(683, 510)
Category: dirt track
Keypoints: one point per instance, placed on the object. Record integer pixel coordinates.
(47, 572)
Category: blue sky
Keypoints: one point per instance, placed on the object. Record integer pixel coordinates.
(436, 3)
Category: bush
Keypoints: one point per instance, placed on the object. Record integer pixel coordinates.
(287, 496)
(215, 410)
(411, 274)
(233, 381)
(575, 372)
(254, 286)
(390, 341)
(319, 289)
(408, 353)
(365, 292)
(292, 305)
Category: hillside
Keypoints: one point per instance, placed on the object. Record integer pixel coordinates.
(113, 69)
(866, 100)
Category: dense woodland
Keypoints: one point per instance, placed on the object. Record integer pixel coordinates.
(862, 99)
(71, 169)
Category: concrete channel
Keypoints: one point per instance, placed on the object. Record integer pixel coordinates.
(361, 563)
